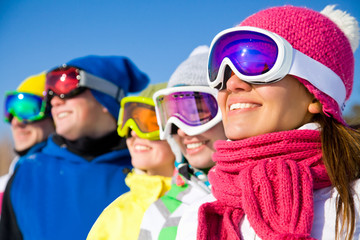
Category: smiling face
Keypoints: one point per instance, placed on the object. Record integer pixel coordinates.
(153, 157)
(198, 149)
(26, 135)
(81, 116)
(249, 110)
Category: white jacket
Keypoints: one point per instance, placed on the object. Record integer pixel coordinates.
(323, 225)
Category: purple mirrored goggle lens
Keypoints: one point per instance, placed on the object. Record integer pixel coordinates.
(252, 53)
(192, 108)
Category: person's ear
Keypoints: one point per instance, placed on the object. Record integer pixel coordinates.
(315, 106)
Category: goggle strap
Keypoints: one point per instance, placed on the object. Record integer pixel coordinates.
(322, 77)
(319, 75)
(101, 85)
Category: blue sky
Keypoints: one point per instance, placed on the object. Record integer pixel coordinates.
(36, 35)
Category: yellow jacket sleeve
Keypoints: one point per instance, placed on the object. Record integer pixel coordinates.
(122, 218)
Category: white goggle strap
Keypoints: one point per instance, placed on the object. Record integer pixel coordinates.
(319, 75)
(91, 81)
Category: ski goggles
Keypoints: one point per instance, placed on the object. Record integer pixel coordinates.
(138, 114)
(258, 56)
(25, 107)
(67, 82)
(194, 112)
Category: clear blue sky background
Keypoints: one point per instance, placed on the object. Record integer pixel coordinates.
(36, 35)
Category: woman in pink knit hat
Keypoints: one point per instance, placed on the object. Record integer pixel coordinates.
(292, 167)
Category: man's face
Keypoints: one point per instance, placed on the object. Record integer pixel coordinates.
(81, 116)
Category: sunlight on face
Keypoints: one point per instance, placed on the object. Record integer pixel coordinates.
(198, 149)
(153, 157)
(81, 116)
(29, 134)
(249, 110)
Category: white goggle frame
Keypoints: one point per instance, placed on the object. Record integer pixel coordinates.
(189, 130)
(289, 61)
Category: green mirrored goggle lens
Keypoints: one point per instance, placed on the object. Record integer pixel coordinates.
(24, 106)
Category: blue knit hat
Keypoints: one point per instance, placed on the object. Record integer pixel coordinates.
(118, 70)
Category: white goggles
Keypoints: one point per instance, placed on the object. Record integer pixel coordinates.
(193, 109)
(258, 56)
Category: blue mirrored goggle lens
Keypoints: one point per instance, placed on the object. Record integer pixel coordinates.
(252, 53)
(192, 108)
(26, 107)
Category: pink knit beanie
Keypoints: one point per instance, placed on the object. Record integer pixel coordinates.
(318, 36)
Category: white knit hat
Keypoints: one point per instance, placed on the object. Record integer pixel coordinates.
(193, 71)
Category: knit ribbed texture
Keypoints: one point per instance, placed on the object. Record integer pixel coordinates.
(270, 178)
(316, 36)
(192, 71)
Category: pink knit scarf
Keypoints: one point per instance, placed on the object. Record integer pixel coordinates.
(270, 178)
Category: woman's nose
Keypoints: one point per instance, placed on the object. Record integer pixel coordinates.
(133, 133)
(181, 133)
(235, 84)
(16, 122)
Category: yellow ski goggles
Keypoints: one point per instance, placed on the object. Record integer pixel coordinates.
(138, 114)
